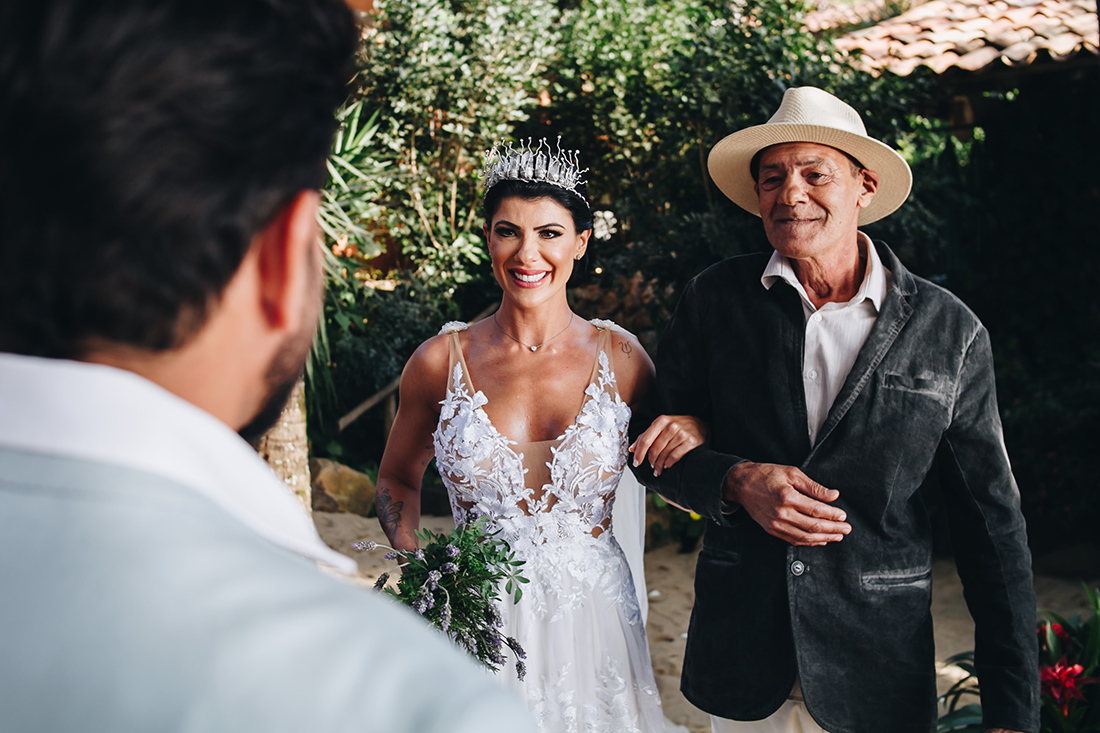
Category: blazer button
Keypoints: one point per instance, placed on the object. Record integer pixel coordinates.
(798, 567)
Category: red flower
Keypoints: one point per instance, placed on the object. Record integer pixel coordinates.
(1060, 681)
(1058, 630)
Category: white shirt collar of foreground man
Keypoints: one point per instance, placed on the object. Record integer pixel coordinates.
(835, 333)
(108, 415)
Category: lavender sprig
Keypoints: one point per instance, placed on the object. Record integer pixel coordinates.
(453, 581)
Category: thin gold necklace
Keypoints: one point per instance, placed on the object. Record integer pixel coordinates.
(536, 347)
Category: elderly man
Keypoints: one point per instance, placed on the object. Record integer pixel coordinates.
(834, 381)
(160, 283)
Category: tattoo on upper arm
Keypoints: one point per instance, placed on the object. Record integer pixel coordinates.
(627, 348)
(389, 511)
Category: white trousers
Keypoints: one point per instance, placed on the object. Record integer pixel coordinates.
(791, 718)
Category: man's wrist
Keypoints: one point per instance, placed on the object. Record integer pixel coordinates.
(729, 503)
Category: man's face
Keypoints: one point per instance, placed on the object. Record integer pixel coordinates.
(810, 199)
(287, 366)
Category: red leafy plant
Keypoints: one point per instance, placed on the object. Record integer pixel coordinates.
(1069, 661)
(1069, 657)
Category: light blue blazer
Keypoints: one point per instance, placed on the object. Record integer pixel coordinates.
(131, 604)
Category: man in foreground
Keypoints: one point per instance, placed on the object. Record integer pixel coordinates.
(159, 288)
(834, 381)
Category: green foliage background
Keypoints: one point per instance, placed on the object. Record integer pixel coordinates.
(644, 89)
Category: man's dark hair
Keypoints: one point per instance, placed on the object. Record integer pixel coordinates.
(145, 143)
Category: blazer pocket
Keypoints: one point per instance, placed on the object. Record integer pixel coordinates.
(926, 383)
(885, 580)
(719, 556)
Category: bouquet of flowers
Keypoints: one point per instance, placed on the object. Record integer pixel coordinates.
(454, 582)
(1069, 660)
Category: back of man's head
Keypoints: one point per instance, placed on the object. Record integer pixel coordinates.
(145, 142)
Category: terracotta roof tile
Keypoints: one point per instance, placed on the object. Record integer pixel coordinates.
(943, 62)
(979, 58)
(969, 46)
(968, 34)
(1021, 53)
(998, 26)
(1008, 38)
(922, 48)
(1050, 28)
(1082, 24)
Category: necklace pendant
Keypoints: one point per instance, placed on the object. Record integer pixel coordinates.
(535, 348)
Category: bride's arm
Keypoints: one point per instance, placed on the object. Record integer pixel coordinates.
(669, 437)
(409, 448)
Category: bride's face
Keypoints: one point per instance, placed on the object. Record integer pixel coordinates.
(533, 245)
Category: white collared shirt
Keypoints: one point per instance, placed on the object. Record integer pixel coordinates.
(108, 415)
(835, 333)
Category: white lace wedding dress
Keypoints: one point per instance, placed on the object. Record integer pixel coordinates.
(588, 665)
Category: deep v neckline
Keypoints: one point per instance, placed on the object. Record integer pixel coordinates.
(504, 439)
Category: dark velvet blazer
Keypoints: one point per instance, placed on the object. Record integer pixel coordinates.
(851, 618)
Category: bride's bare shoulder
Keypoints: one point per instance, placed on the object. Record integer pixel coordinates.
(633, 367)
(427, 369)
(425, 372)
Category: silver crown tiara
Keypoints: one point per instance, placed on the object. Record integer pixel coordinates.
(531, 164)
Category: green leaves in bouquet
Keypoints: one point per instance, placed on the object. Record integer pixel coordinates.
(454, 582)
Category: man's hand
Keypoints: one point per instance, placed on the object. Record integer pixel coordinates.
(787, 503)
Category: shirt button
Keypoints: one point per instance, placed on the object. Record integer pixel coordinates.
(812, 374)
(797, 568)
(816, 317)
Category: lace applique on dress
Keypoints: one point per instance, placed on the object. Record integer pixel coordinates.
(552, 502)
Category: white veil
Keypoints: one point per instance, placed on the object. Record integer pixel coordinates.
(628, 524)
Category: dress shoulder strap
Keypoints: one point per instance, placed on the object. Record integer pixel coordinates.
(458, 375)
(603, 370)
(605, 325)
(455, 327)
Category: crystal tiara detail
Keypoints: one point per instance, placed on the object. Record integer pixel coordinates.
(531, 164)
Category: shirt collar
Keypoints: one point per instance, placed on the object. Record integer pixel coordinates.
(109, 415)
(873, 287)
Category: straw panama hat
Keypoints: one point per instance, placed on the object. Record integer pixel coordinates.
(811, 115)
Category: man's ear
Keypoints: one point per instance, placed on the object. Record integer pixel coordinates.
(288, 262)
(868, 188)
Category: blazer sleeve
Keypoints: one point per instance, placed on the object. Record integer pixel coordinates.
(990, 543)
(682, 388)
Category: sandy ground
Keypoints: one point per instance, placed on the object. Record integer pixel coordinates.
(670, 577)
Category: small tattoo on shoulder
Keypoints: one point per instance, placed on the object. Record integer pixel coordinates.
(627, 348)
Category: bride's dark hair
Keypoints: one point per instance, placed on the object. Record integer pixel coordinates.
(575, 203)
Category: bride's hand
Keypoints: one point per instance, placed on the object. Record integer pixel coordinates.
(667, 440)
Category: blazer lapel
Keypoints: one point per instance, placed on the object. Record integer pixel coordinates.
(893, 317)
(785, 336)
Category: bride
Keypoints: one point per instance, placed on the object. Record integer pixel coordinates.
(526, 414)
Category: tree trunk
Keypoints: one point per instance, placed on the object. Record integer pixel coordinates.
(286, 448)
